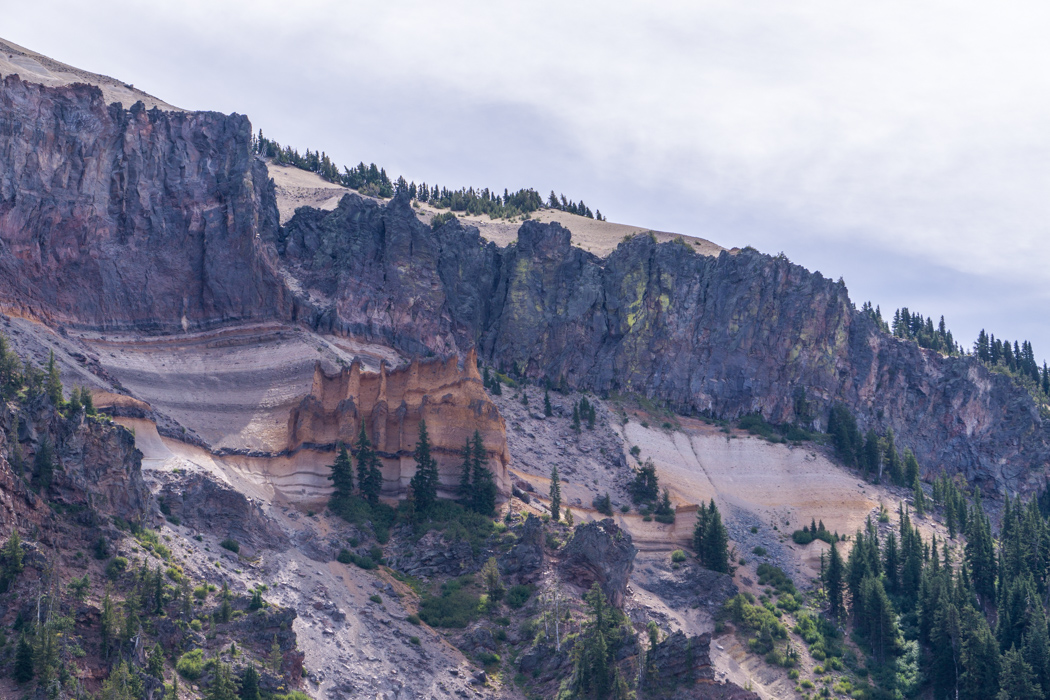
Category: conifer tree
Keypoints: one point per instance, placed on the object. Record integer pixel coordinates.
(483, 485)
(1016, 679)
(276, 657)
(369, 475)
(833, 580)
(555, 494)
(23, 670)
(425, 481)
(250, 684)
(466, 494)
(44, 464)
(53, 384)
(342, 474)
(548, 411)
(223, 685)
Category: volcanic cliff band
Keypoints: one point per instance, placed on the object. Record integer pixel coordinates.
(163, 222)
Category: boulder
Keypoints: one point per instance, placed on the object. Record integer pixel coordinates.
(600, 552)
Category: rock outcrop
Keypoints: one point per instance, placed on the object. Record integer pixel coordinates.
(678, 660)
(117, 218)
(114, 218)
(97, 470)
(446, 393)
(200, 502)
(600, 552)
(526, 556)
(726, 335)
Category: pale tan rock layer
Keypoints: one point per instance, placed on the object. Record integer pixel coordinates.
(391, 403)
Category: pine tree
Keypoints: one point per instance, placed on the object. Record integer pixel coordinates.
(53, 384)
(425, 481)
(484, 499)
(250, 684)
(466, 493)
(576, 418)
(23, 670)
(548, 411)
(715, 541)
(833, 581)
(369, 475)
(155, 662)
(555, 494)
(44, 464)
(342, 475)
(1016, 679)
(276, 657)
(223, 685)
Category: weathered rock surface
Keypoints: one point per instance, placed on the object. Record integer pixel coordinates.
(678, 660)
(390, 404)
(433, 555)
(687, 586)
(127, 218)
(204, 504)
(725, 335)
(97, 468)
(600, 552)
(525, 557)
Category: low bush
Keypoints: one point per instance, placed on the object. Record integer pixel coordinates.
(518, 595)
(678, 556)
(191, 665)
(457, 605)
(769, 575)
(231, 544)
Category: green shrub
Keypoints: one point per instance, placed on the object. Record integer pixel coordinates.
(191, 664)
(344, 556)
(678, 556)
(231, 544)
(488, 658)
(455, 607)
(518, 595)
(116, 566)
(414, 640)
(375, 599)
(769, 575)
(759, 551)
(413, 619)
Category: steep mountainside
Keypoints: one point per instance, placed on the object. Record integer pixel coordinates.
(161, 221)
(725, 335)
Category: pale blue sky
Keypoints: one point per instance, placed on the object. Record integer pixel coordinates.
(904, 146)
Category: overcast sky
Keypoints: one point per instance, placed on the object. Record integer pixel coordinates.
(904, 146)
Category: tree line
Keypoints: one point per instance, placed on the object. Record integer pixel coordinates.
(969, 629)
(374, 181)
(1015, 359)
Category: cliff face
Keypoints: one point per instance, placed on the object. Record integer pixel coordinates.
(126, 218)
(727, 335)
(391, 403)
(97, 472)
(158, 221)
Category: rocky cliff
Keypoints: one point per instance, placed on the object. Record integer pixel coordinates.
(725, 335)
(114, 218)
(127, 218)
(390, 403)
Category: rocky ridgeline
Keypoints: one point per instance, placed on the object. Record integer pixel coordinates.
(156, 221)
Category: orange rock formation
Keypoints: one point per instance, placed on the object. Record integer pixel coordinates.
(390, 404)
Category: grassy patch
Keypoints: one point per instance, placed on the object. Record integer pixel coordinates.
(456, 606)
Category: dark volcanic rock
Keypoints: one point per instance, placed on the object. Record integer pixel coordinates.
(201, 502)
(128, 218)
(526, 556)
(726, 335)
(600, 552)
